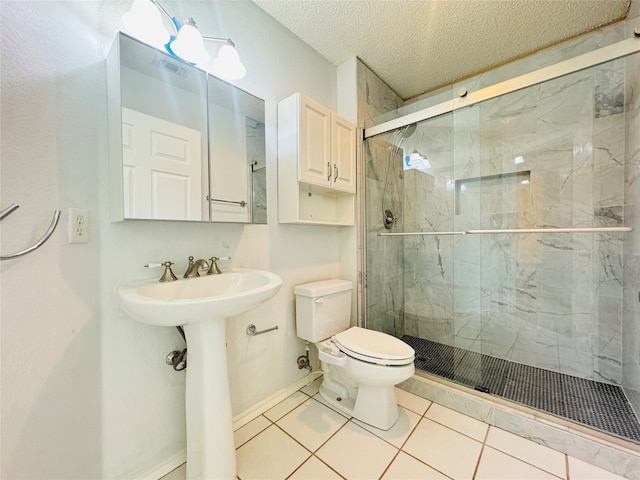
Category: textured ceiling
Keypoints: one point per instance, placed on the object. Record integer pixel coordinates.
(418, 45)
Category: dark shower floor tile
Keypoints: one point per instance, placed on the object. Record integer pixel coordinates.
(595, 404)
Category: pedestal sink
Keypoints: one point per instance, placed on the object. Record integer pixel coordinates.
(201, 306)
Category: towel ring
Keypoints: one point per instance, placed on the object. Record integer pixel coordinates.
(54, 223)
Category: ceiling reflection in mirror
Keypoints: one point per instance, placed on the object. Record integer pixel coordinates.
(184, 145)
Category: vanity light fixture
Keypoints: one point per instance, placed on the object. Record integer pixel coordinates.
(144, 21)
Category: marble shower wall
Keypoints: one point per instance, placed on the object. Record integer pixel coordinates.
(552, 155)
(384, 290)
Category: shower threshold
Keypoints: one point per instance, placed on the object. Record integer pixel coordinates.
(598, 405)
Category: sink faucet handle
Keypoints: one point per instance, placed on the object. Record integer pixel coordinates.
(213, 269)
(168, 275)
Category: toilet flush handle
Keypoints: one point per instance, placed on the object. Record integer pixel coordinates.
(319, 300)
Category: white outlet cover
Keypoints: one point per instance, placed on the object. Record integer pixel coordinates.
(78, 225)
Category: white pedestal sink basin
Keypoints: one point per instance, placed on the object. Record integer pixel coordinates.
(201, 306)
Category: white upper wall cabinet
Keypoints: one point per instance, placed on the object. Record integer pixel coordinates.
(316, 164)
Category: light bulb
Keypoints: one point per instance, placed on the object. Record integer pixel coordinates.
(188, 45)
(144, 22)
(227, 64)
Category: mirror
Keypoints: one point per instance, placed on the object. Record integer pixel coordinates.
(237, 154)
(184, 145)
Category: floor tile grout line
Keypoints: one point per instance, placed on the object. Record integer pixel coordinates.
(288, 411)
(268, 419)
(401, 449)
(418, 397)
(293, 438)
(425, 463)
(352, 419)
(453, 429)
(524, 461)
(313, 452)
(477, 467)
(390, 463)
(484, 444)
(298, 467)
(497, 449)
(411, 433)
(256, 434)
(329, 467)
(324, 443)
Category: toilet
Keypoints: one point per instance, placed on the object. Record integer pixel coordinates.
(361, 367)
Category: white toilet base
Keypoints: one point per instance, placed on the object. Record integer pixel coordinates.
(374, 405)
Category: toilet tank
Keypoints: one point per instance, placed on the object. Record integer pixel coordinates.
(322, 309)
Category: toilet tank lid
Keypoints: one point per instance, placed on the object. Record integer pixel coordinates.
(323, 287)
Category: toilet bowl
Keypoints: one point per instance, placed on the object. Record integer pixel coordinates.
(361, 367)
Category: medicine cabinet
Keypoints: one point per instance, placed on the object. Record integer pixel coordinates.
(316, 164)
(183, 144)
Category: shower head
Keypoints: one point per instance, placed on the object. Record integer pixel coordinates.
(409, 130)
(400, 136)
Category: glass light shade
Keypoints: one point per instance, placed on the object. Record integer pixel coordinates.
(188, 45)
(227, 64)
(144, 22)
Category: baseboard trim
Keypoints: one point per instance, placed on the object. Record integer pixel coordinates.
(255, 411)
(165, 467)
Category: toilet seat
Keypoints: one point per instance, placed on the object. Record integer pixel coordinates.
(374, 347)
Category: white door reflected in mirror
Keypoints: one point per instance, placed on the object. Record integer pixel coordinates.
(162, 168)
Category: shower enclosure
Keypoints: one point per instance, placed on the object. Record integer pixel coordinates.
(502, 241)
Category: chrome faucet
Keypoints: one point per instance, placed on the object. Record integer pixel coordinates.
(192, 269)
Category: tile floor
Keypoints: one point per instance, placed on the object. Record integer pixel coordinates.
(302, 438)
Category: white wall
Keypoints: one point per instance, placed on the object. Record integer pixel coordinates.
(85, 391)
(51, 96)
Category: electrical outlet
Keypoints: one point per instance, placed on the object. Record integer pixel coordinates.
(78, 225)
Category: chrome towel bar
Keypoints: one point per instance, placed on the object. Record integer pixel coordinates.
(252, 332)
(9, 210)
(39, 243)
(515, 231)
(242, 203)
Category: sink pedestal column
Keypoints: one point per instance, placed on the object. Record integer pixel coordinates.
(211, 450)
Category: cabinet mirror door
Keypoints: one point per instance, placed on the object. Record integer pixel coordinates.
(184, 145)
(237, 155)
